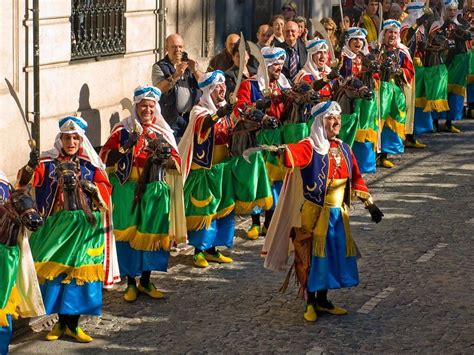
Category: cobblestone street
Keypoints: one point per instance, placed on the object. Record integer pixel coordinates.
(415, 295)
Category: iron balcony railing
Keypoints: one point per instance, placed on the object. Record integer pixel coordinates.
(97, 28)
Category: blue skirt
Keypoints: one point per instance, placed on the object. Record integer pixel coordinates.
(335, 270)
(423, 121)
(219, 233)
(365, 156)
(5, 336)
(133, 262)
(71, 298)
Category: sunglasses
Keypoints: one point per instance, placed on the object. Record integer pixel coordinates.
(287, 9)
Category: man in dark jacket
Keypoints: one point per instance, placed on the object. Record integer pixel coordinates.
(295, 51)
(223, 60)
(176, 76)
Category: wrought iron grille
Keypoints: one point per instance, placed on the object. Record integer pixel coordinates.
(97, 28)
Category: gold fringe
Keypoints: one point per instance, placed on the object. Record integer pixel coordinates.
(225, 212)
(10, 308)
(420, 102)
(397, 127)
(243, 207)
(49, 270)
(143, 241)
(436, 105)
(351, 248)
(196, 223)
(457, 89)
(366, 135)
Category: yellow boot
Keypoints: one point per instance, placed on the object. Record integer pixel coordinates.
(55, 333)
(200, 260)
(151, 291)
(331, 309)
(253, 232)
(218, 258)
(79, 335)
(131, 293)
(310, 314)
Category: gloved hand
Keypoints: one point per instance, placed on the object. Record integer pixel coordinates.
(225, 110)
(34, 158)
(256, 115)
(164, 153)
(89, 187)
(269, 122)
(428, 17)
(132, 140)
(333, 74)
(375, 213)
(263, 104)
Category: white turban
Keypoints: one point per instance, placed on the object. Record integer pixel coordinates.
(451, 3)
(207, 83)
(415, 10)
(272, 55)
(318, 132)
(72, 125)
(392, 25)
(314, 46)
(353, 33)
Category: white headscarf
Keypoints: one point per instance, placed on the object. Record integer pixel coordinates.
(71, 125)
(313, 46)
(390, 24)
(352, 33)
(318, 132)
(451, 3)
(415, 10)
(207, 84)
(272, 55)
(132, 123)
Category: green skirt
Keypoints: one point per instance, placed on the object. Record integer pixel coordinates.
(393, 107)
(420, 93)
(251, 184)
(272, 137)
(9, 259)
(458, 70)
(436, 88)
(294, 132)
(208, 195)
(68, 244)
(368, 121)
(350, 124)
(146, 227)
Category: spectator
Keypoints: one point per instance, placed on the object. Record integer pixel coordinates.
(396, 12)
(231, 75)
(302, 26)
(176, 76)
(264, 36)
(223, 60)
(295, 51)
(331, 29)
(277, 24)
(288, 10)
(386, 5)
(358, 9)
(371, 21)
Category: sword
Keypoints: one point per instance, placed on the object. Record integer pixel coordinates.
(233, 96)
(318, 27)
(31, 141)
(261, 148)
(261, 63)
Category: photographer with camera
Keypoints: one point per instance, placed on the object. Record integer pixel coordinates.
(176, 75)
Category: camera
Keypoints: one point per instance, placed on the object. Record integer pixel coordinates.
(184, 57)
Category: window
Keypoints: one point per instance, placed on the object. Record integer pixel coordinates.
(97, 28)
